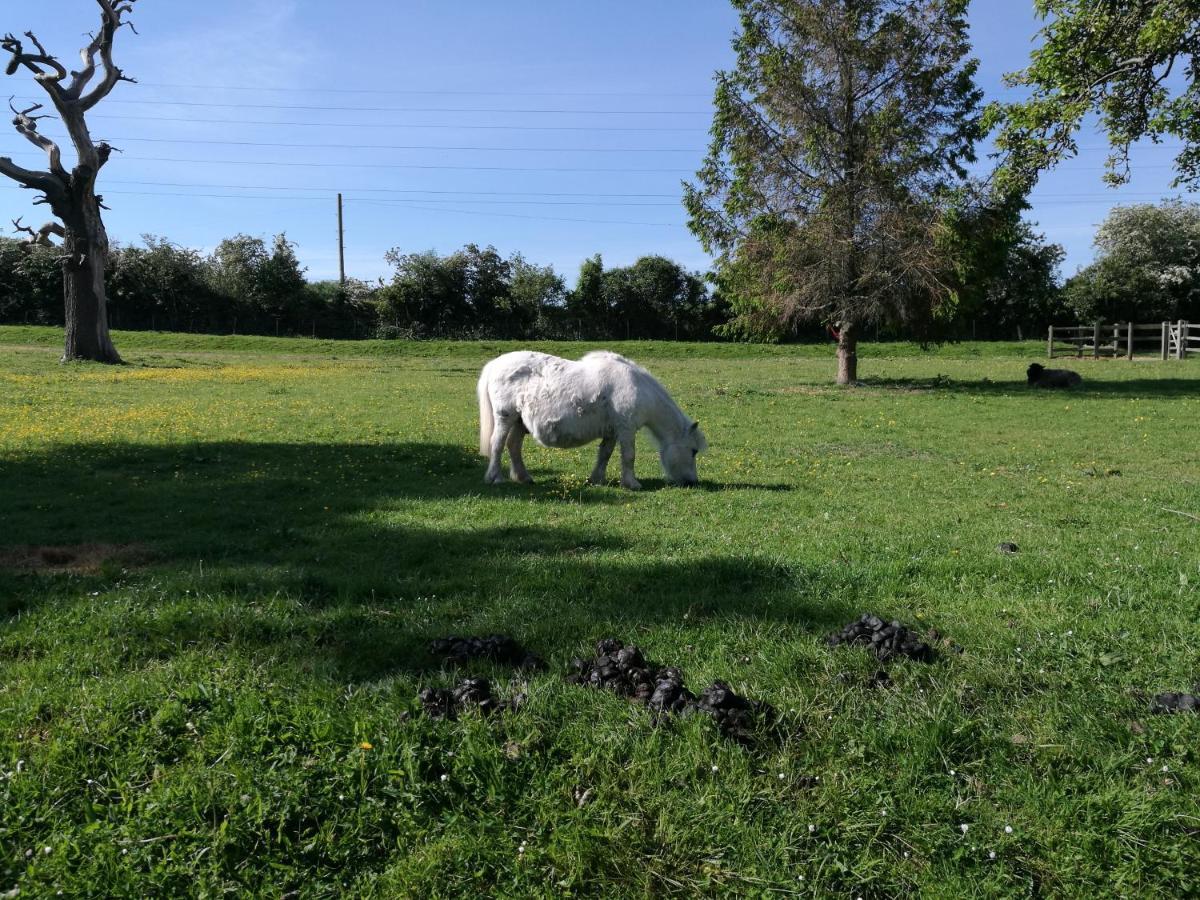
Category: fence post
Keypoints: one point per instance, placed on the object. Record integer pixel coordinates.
(1129, 341)
(1181, 340)
(1096, 341)
(1050, 343)
(1166, 338)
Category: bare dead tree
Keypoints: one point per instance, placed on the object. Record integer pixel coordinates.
(71, 195)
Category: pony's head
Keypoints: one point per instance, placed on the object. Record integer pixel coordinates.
(1034, 373)
(678, 456)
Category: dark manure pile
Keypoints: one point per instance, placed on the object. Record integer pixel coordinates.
(1172, 702)
(886, 640)
(470, 693)
(625, 671)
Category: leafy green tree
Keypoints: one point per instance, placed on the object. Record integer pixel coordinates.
(427, 297)
(487, 278)
(266, 285)
(537, 297)
(280, 284)
(233, 273)
(837, 138)
(1148, 266)
(160, 285)
(1025, 295)
(655, 299)
(1132, 62)
(31, 283)
(587, 305)
(342, 310)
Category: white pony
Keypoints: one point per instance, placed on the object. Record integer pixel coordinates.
(568, 404)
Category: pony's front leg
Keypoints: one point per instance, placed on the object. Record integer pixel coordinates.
(600, 473)
(500, 433)
(516, 438)
(627, 455)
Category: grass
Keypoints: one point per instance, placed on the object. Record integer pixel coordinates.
(223, 701)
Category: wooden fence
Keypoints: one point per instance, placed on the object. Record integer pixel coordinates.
(1166, 340)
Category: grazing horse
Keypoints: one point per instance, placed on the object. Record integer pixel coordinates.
(568, 404)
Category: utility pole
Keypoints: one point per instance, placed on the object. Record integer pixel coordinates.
(341, 244)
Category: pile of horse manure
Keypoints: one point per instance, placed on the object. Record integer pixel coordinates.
(499, 648)
(737, 717)
(1171, 702)
(470, 693)
(626, 672)
(1008, 547)
(887, 640)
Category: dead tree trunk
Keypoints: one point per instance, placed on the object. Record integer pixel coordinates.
(71, 195)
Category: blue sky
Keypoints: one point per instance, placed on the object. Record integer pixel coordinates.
(555, 129)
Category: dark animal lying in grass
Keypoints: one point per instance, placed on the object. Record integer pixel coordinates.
(1040, 376)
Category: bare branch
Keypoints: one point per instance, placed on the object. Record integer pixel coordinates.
(26, 125)
(41, 237)
(47, 182)
(35, 62)
(111, 14)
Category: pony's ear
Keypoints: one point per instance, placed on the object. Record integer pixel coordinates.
(695, 426)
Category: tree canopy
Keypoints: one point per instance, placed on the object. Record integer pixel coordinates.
(1131, 62)
(838, 139)
(1147, 268)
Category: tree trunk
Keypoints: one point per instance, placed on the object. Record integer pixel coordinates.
(847, 354)
(85, 254)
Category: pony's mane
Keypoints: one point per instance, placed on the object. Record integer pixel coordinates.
(655, 385)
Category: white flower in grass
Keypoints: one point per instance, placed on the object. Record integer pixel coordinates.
(1008, 829)
(964, 827)
(714, 768)
(812, 828)
(445, 778)
(991, 854)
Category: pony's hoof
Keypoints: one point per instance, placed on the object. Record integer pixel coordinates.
(633, 485)
(597, 480)
(522, 479)
(493, 479)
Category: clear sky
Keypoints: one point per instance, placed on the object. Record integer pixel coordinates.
(556, 129)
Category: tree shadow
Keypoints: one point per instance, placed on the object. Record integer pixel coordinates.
(333, 556)
(1165, 388)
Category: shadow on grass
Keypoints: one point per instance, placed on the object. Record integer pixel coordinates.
(332, 554)
(1164, 388)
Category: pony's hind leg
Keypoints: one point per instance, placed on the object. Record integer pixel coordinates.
(516, 438)
(600, 473)
(500, 432)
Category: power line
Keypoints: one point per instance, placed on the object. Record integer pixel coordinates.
(390, 200)
(415, 166)
(433, 147)
(417, 109)
(370, 190)
(424, 125)
(431, 93)
(468, 212)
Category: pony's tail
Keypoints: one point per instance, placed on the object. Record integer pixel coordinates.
(485, 416)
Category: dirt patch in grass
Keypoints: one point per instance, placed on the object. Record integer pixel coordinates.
(77, 558)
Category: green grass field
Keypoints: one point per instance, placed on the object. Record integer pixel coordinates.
(218, 695)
